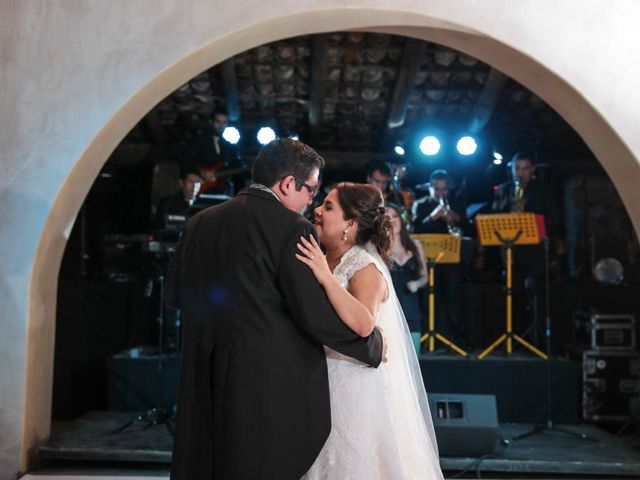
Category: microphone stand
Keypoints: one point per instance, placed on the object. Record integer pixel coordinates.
(156, 415)
(548, 426)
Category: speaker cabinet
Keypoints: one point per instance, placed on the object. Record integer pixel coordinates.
(137, 384)
(465, 425)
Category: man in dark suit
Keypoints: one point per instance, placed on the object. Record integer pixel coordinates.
(211, 153)
(525, 193)
(207, 148)
(253, 401)
(179, 203)
(438, 212)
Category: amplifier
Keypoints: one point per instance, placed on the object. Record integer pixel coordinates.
(610, 385)
(604, 331)
(138, 382)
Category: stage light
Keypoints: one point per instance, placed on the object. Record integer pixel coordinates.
(294, 136)
(398, 149)
(266, 135)
(231, 135)
(430, 145)
(467, 145)
(497, 157)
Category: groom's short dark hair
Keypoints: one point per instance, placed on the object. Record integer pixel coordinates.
(285, 157)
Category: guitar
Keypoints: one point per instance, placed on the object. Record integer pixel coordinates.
(212, 175)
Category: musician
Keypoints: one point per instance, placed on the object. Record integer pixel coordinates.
(179, 203)
(439, 213)
(525, 193)
(388, 179)
(210, 152)
(379, 174)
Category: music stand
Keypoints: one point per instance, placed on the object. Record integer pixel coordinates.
(507, 230)
(438, 248)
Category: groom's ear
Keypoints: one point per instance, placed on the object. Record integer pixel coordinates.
(281, 186)
(286, 184)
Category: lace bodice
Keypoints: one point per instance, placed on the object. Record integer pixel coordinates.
(354, 259)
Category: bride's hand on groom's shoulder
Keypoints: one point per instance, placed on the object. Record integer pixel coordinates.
(311, 254)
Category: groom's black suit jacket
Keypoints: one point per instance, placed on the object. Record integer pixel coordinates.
(253, 400)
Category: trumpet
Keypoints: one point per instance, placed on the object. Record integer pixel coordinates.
(443, 205)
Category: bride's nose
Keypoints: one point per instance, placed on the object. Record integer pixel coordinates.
(318, 211)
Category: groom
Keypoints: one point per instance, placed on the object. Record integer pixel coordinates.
(253, 400)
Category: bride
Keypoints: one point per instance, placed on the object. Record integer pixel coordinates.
(381, 427)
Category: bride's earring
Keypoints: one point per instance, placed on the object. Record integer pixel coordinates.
(344, 234)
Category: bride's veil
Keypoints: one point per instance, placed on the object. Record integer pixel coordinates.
(409, 405)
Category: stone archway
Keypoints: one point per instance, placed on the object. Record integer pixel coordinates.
(183, 44)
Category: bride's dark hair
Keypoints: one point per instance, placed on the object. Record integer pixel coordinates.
(364, 203)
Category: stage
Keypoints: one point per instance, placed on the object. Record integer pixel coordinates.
(518, 381)
(94, 439)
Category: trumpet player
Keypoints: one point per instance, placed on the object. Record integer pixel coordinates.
(437, 212)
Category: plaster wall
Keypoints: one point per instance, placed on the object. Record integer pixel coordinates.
(75, 77)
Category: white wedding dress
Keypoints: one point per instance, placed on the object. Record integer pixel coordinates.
(381, 427)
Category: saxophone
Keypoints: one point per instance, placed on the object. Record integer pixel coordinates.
(517, 197)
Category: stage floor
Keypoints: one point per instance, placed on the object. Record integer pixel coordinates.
(94, 438)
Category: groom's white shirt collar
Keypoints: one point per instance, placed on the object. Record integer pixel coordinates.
(264, 188)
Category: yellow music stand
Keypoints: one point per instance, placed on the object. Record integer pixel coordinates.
(438, 248)
(507, 230)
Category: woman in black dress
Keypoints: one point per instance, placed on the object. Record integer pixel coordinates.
(408, 272)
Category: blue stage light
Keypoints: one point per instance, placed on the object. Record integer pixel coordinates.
(399, 149)
(467, 145)
(266, 135)
(430, 145)
(231, 135)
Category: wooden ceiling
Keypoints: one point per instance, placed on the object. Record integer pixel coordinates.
(360, 93)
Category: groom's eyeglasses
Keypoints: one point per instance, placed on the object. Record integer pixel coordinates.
(313, 191)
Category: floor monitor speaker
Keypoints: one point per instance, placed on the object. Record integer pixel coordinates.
(465, 425)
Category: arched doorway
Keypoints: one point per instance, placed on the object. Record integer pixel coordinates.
(194, 55)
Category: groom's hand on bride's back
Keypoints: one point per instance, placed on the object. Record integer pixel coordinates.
(384, 343)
